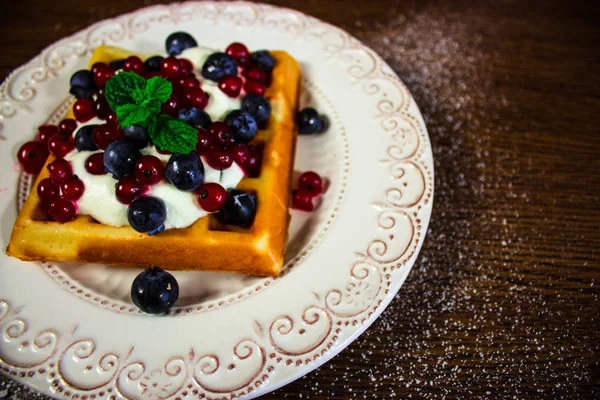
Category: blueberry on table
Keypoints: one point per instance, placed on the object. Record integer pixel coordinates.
(147, 215)
(177, 42)
(185, 171)
(239, 208)
(257, 106)
(196, 117)
(242, 124)
(153, 63)
(263, 60)
(219, 65)
(120, 157)
(137, 135)
(154, 291)
(84, 138)
(309, 121)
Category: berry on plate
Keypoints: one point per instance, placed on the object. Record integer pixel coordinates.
(149, 170)
(309, 121)
(84, 138)
(263, 60)
(153, 64)
(137, 135)
(95, 164)
(302, 200)
(61, 144)
(239, 52)
(45, 132)
(67, 125)
(231, 85)
(83, 109)
(60, 170)
(62, 210)
(72, 189)
(48, 190)
(196, 117)
(154, 291)
(32, 156)
(128, 189)
(257, 106)
(105, 134)
(205, 141)
(219, 157)
(311, 182)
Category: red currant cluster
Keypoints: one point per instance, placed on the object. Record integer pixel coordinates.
(220, 150)
(253, 79)
(310, 185)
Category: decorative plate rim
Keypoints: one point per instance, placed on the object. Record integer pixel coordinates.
(57, 363)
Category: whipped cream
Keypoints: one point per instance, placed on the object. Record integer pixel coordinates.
(99, 199)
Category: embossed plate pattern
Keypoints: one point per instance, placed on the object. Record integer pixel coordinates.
(70, 330)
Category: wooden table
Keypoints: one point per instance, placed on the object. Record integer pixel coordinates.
(505, 297)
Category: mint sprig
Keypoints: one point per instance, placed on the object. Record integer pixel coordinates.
(137, 101)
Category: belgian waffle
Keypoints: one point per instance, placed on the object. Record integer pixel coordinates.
(205, 245)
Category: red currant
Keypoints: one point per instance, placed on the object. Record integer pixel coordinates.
(102, 73)
(105, 134)
(60, 170)
(205, 141)
(67, 125)
(61, 144)
(254, 73)
(128, 189)
(186, 66)
(239, 52)
(170, 67)
(134, 64)
(95, 164)
(111, 119)
(149, 170)
(101, 108)
(32, 156)
(241, 153)
(83, 110)
(255, 87)
(231, 85)
(45, 132)
(62, 210)
(196, 97)
(220, 132)
(188, 82)
(47, 190)
(211, 196)
(311, 182)
(219, 157)
(302, 200)
(252, 166)
(72, 189)
(172, 105)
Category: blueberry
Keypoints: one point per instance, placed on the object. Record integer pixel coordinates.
(154, 291)
(153, 63)
(82, 93)
(309, 121)
(257, 106)
(136, 135)
(147, 214)
(178, 42)
(242, 124)
(83, 138)
(117, 64)
(219, 65)
(185, 171)
(194, 116)
(83, 78)
(119, 158)
(82, 84)
(263, 60)
(239, 208)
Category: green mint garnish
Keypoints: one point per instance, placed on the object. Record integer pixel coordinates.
(137, 101)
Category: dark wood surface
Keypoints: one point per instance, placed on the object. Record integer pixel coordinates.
(504, 299)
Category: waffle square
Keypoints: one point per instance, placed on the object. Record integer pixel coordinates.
(205, 245)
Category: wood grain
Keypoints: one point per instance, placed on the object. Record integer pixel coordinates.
(504, 300)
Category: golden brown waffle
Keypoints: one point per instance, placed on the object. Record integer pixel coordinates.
(207, 244)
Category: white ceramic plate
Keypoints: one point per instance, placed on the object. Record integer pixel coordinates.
(71, 331)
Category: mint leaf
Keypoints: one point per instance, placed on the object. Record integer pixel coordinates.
(138, 95)
(119, 89)
(133, 114)
(174, 135)
(152, 104)
(159, 89)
